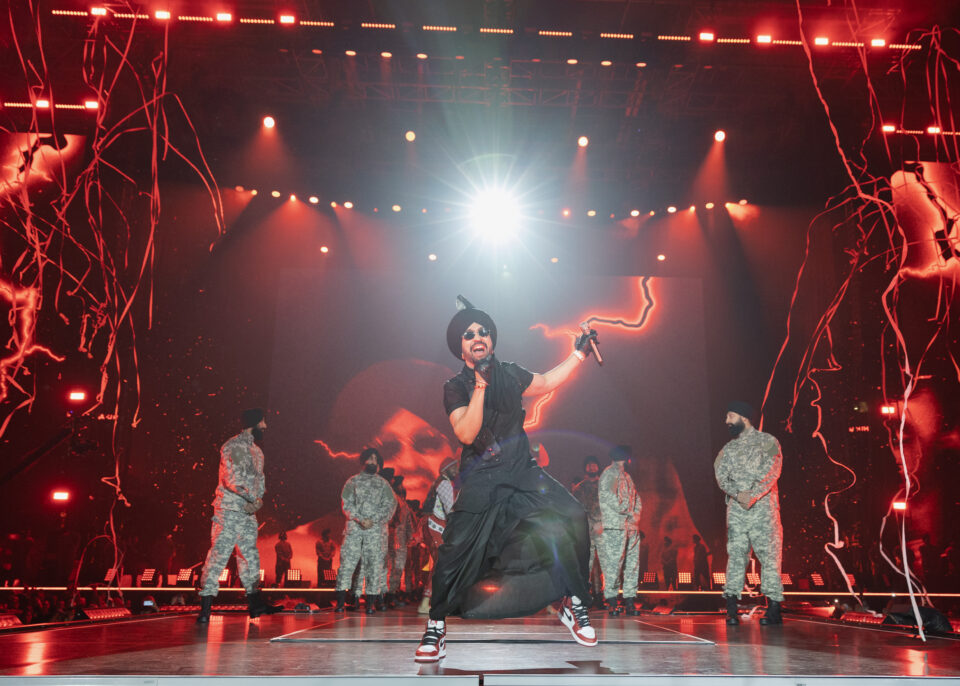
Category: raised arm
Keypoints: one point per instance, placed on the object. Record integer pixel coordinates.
(550, 381)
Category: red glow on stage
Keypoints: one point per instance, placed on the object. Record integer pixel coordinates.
(821, 40)
(77, 396)
(163, 15)
(43, 104)
(764, 38)
(661, 257)
(60, 496)
(287, 19)
(888, 128)
(899, 505)
(877, 42)
(269, 122)
(90, 104)
(888, 409)
(930, 129)
(224, 16)
(98, 11)
(635, 324)
(324, 249)
(707, 36)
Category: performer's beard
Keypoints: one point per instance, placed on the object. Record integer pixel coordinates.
(257, 434)
(736, 428)
(370, 468)
(593, 476)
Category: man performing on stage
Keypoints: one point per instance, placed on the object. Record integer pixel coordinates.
(238, 497)
(516, 540)
(747, 470)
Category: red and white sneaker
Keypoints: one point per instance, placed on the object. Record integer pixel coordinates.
(433, 645)
(574, 616)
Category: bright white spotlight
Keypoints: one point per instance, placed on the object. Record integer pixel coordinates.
(719, 136)
(495, 214)
(583, 141)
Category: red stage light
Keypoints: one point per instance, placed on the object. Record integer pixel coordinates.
(641, 65)
(269, 122)
(571, 61)
(386, 55)
(583, 141)
(333, 204)
(821, 40)
(764, 38)
(720, 136)
(98, 11)
(421, 55)
(888, 409)
(293, 198)
(743, 201)
(671, 209)
(90, 104)
(162, 14)
(224, 16)
(930, 129)
(287, 19)
(253, 191)
(324, 249)
(709, 205)
(877, 42)
(634, 213)
(275, 194)
(61, 496)
(411, 136)
(348, 205)
(652, 212)
(350, 53)
(313, 199)
(43, 104)
(77, 396)
(606, 63)
(707, 36)
(888, 128)
(693, 208)
(661, 257)
(899, 505)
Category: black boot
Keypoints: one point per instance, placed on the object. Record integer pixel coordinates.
(773, 614)
(732, 614)
(615, 609)
(631, 609)
(206, 607)
(381, 602)
(353, 602)
(341, 603)
(371, 604)
(257, 605)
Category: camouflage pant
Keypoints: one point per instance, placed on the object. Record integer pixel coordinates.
(758, 528)
(618, 552)
(231, 530)
(398, 561)
(596, 578)
(366, 548)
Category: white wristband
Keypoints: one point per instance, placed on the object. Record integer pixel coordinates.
(580, 355)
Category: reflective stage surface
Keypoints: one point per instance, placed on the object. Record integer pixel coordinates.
(533, 650)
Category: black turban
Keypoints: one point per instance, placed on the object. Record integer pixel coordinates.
(620, 452)
(250, 418)
(461, 322)
(741, 408)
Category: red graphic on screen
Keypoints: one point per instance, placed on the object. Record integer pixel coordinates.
(634, 324)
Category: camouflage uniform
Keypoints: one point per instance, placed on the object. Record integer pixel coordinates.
(620, 511)
(587, 493)
(365, 496)
(402, 532)
(751, 463)
(241, 482)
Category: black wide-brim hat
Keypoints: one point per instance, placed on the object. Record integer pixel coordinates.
(461, 322)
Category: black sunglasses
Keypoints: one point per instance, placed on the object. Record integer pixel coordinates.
(470, 333)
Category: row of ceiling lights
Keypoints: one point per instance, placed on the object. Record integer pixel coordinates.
(289, 19)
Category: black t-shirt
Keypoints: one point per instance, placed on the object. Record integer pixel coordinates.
(503, 415)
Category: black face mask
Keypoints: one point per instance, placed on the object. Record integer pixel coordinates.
(370, 468)
(593, 476)
(736, 428)
(257, 434)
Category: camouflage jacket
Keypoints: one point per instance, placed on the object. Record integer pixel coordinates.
(619, 501)
(750, 462)
(368, 496)
(241, 474)
(587, 492)
(402, 525)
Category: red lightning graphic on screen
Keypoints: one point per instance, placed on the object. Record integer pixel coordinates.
(23, 320)
(335, 453)
(634, 324)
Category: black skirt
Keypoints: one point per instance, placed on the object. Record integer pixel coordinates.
(526, 548)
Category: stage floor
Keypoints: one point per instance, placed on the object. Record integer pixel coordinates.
(536, 650)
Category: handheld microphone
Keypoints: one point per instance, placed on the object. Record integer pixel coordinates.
(585, 327)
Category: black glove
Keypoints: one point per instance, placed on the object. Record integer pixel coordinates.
(583, 342)
(484, 368)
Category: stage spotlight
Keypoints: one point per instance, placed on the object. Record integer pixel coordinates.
(348, 205)
(930, 129)
(350, 53)
(720, 136)
(239, 189)
(888, 410)
(224, 16)
(661, 258)
(571, 61)
(707, 36)
(60, 496)
(423, 210)
(709, 205)
(421, 55)
(641, 65)
(591, 213)
(877, 43)
(396, 208)
(764, 38)
(432, 257)
(90, 104)
(821, 40)
(162, 14)
(495, 213)
(566, 212)
(317, 51)
(313, 199)
(333, 204)
(275, 194)
(888, 128)
(554, 260)
(324, 249)
(269, 122)
(693, 208)
(287, 19)
(253, 191)
(411, 136)
(652, 212)
(899, 505)
(743, 201)
(386, 55)
(634, 213)
(583, 141)
(606, 63)
(43, 104)
(671, 209)
(293, 198)
(98, 11)
(77, 396)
